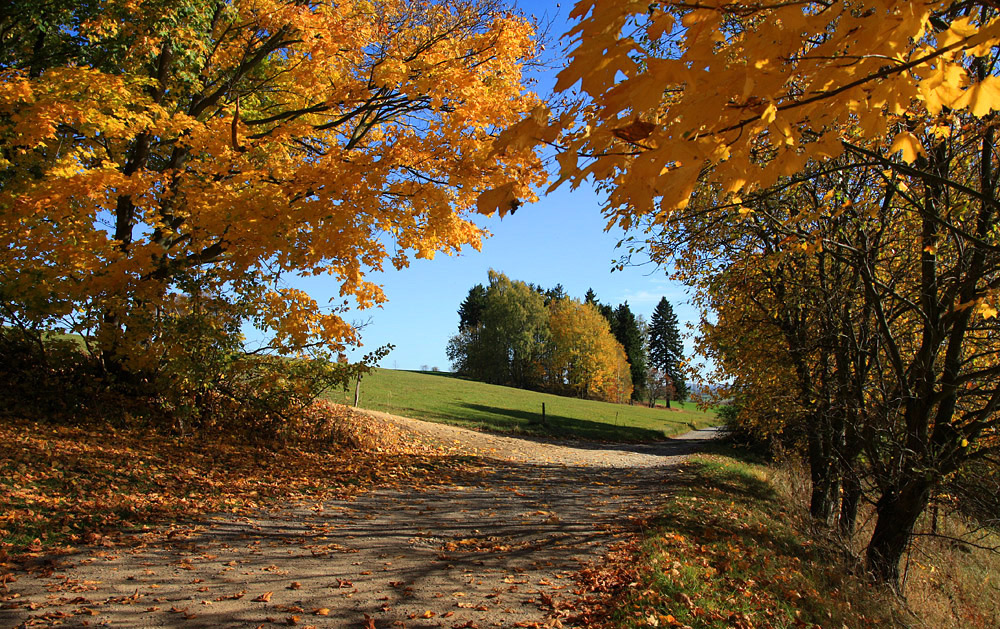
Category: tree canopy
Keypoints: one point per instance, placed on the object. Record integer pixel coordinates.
(157, 152)
(534, 338)
(825, 174)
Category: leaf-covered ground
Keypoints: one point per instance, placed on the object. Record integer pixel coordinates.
(468, 532)
(429, 527)
(61, 486)
(727, 551)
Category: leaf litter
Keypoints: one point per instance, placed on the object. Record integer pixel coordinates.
(417, 535)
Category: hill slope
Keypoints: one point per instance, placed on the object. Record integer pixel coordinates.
(446, 398)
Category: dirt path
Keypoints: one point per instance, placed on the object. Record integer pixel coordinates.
(496, 549)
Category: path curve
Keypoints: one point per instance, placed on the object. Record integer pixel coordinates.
(496, 548)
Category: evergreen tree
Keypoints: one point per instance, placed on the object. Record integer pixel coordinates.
(470, 313)
(625, 327)
(666, 351)
(606, 311)
(555, 294)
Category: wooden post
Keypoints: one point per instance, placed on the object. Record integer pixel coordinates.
(357, 392)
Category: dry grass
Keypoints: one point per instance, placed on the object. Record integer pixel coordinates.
(947, 582)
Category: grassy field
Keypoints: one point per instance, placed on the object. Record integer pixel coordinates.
(444, 397)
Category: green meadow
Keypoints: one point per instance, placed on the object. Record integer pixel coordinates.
(447, 398)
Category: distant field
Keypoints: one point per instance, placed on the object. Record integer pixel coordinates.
(444, 397)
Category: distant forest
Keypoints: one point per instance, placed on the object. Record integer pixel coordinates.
(523, 335)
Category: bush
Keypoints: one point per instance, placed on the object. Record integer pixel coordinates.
(741, 435)
(207, 384)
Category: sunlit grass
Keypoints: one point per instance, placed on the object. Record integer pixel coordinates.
(729, 551)
(443, 397)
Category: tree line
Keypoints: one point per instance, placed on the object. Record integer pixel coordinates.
(518, 334)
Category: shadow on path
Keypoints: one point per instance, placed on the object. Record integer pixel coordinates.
(493, 547)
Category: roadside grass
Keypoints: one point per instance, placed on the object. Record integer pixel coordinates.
(728, 551)
(733, 547)
(446, 398)
(950, 583)
(951, 573)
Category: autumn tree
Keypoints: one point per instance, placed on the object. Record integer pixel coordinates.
(585, 359)
(693, 115)
(169, 160)
(666, 351)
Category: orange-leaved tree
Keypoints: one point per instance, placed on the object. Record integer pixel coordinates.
(699, 117)
(585, 358)
(166, 163)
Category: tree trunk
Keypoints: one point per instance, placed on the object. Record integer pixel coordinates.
(823, 471)
(849, 502)
(898, 510)
(822, 499)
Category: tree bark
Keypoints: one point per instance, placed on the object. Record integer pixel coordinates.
(898, 510)
(849, 502)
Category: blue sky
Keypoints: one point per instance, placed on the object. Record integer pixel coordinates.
(559, 240)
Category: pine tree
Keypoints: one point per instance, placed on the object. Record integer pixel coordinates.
(666, 351)
(626, 329)
(470, 313)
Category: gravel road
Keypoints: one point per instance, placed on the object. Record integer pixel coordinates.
(497, 547)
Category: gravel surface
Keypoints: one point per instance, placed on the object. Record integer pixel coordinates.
(497, 547)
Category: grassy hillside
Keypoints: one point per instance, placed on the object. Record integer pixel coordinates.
(446, 398)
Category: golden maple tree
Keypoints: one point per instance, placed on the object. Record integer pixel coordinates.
(168, 160)
(585, 358)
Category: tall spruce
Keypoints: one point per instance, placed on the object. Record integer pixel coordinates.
(666, 351)
(606, 311)
(470, 312)
(625, 327)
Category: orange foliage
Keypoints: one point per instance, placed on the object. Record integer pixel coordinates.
(206, 148)
(585, 356)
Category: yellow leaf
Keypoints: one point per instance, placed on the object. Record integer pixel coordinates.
(981, 98)
(909, 144)
(502, 198)
(770, 113)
